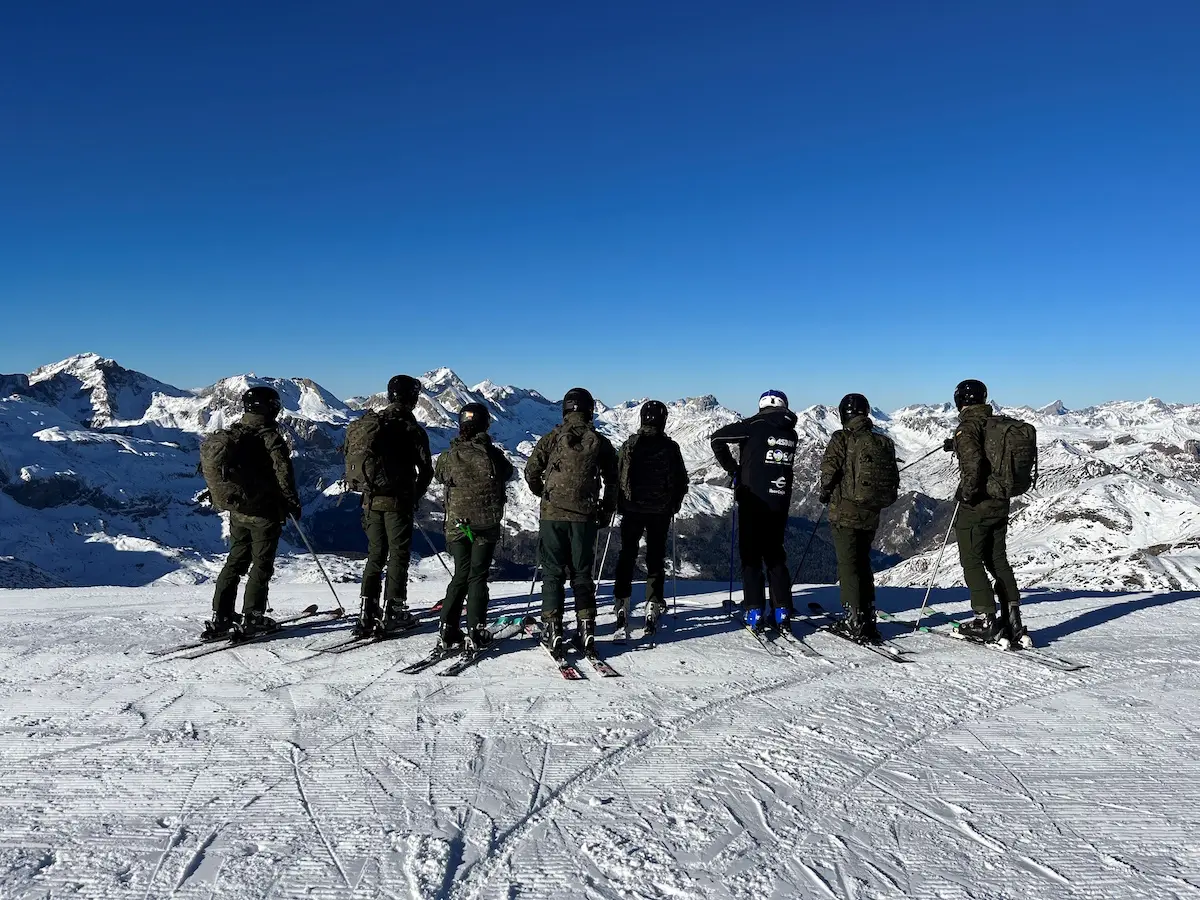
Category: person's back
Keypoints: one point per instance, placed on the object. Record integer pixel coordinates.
(653, 484)
(763, 476)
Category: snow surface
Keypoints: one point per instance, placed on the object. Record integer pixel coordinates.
(710, 770)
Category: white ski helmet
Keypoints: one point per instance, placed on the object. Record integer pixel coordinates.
(776, 399)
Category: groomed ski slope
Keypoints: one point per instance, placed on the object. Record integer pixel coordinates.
(711, 769)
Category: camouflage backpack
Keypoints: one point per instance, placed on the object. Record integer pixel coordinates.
(1010, 446)
(373, 445)
(872, 477)
(573, 470)
(230, 462)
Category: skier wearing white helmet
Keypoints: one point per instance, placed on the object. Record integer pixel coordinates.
(762, 475)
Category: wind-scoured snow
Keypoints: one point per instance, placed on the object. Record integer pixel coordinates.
(710, 770)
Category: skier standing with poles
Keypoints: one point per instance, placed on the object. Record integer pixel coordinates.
(762, 476)
(474, 471)
(388, 459)
(248, 468)
(859, 478)
(566, 470)
(653, 482)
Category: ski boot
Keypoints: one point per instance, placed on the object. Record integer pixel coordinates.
(782, 619)
(478, 638)
(256, 623)
(849, 625)
(552, 636)
(621, 609)
(219, 627)
(653, 612)
(983, 629)
(1016, 633)
(585, 636)
(450, 637)
(755, 619)
(368, 613)
(395, 620)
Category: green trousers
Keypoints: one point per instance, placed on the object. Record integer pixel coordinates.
(853, 548)
(252, 545)
(472, 559)
(983, 549)
(567, 551)
(389, 539)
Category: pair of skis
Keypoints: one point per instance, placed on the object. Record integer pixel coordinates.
(306, 618)
(624, 630)
(506, 627)
(1028, 654)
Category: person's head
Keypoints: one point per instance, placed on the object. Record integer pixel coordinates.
(971, 392)
(853, 405)
(578, 400)
(403, 391)
(473, 419)
(262, 401)
(773, 400)
(654, 414)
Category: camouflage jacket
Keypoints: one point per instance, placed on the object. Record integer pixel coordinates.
(543, 468)
(278, 478)
(844, 512)
(474, 471)
(973, 466)
(422, 462)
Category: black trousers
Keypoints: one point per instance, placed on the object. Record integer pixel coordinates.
(853, 548)
(472, 559)
(656, 528)
(389, 540)
(567, 552)
(252, 545)
(760, 540)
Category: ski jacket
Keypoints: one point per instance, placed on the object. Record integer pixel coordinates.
(973, 465)
(474, 471)
(843, 511)
(566, 469)
(409, 449)
(767, 443)
(653, 477)
(272, 471)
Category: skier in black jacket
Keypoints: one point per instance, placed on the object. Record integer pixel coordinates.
(762, 477)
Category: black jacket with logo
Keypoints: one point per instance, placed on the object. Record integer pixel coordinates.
(768, 451)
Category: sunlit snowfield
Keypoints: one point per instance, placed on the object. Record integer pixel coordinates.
(711, 769)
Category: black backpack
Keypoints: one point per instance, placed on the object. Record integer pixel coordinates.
(231, 462)
(376, 449)
(872, 478)
(1010, 446)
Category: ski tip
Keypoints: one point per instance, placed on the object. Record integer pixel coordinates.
(309, 610)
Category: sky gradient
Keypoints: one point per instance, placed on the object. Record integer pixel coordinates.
(694, 198)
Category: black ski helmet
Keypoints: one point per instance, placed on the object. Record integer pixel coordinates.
(654, 414)
(971, 392)
(578, 400)
(473, 418)
(262, 400)
(853, 405)
(403, 390)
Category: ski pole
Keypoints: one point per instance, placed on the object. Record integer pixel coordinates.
(604, 558)
(732, 539)
(674, 571)
(317, 560)
(922, 459)
(532, 585)
(937, 565)
(433, 548)
(812, 534)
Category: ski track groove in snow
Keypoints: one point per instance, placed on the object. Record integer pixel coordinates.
(709, 771)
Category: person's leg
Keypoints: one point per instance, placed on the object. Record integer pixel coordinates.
(631, 535)
(583, 561)
(775, 559)
(845, 546)
(482, 551)
(450, 628)
(372, 580)
(974, 542)
(265, 542)
(754, 591)
(657, 530)
(237, 564)
(399, 527)
(1007, 591)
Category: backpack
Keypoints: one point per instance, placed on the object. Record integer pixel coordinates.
(1010, 446)
(573, 470)
(872, 476)
(369, 467)
(230, 460)
(624, 479)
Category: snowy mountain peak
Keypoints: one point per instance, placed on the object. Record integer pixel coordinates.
(1053, 409)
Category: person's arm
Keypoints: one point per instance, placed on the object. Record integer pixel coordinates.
(833, 465)
(724, 438)
(441, 468)
(285, 475)
(972, 462)
(679, 478)
(535, 468)
(610, 472)
(424, 464)
(500, 464)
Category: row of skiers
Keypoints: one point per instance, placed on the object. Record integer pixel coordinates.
(582, 481)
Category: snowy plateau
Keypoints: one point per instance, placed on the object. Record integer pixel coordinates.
(713, 767)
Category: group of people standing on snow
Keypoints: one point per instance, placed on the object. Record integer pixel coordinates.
(582, 482)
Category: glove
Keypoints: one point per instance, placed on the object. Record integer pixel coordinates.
(948, 445)
(293, 510)
(824, 497)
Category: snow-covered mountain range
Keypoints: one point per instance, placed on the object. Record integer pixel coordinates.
(98, 479)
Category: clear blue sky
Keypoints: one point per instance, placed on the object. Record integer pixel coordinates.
(662, 199)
